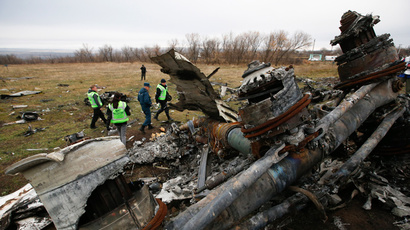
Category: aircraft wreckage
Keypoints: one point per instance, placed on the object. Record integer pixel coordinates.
(239, 169)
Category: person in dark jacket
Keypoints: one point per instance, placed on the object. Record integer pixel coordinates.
(143, 72)
(96, 104)
(145, 101)
(117, 113)
(161, 97)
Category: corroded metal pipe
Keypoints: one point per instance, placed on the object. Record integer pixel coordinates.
(260, 220)
(294, 203)
(225, 199)
(354, 117)
(348, 103)
(237, 141)
(354, 161)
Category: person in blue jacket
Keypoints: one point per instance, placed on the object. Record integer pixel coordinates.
(145, 101)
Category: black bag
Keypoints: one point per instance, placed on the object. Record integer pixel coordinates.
(169, 98)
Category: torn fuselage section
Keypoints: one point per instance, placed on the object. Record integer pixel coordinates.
(195, 92)
(84, 181)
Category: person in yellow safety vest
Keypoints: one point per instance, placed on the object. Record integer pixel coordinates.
(96, 104)
(161, 97)
(118, 112)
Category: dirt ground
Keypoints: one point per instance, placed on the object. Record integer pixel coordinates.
(351, 217)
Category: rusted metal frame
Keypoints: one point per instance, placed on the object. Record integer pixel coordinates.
(220, 203)
(159, 216)
(281, 121)
(313, 198)
(221, 130)
(354, 161)
(361, 80)
(293, 122)
(295, 106)
(348, 103)
(301, 104)
(301, 145)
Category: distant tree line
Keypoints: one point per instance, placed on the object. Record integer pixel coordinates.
(278, 47)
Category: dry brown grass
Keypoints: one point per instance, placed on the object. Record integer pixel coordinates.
(66, 113)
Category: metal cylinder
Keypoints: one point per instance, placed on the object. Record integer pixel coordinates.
(354, 161)
(237, 141)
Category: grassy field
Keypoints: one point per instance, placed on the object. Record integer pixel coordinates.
(62, 109)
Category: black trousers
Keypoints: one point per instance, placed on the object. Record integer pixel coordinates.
(97, 114)
(164, 107)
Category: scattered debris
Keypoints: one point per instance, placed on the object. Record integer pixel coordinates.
(22, 121)
(46, 100)
(30, 116)
(19, 106)
(73, 138)
(32, 131)
(19, 94)
(42, 149)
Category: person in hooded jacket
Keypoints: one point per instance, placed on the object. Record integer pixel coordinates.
(117, 113)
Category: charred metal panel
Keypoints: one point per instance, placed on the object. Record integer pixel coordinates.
(195, 92)
(270, 93)
(356, 30)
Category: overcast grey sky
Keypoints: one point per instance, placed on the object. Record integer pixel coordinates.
(68, 24)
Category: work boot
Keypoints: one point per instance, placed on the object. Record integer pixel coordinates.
(156, 117)
(150, 126)
(142, 129)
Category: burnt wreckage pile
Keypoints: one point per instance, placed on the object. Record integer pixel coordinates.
(246, 169)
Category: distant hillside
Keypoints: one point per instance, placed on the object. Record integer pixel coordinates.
(39, 53)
